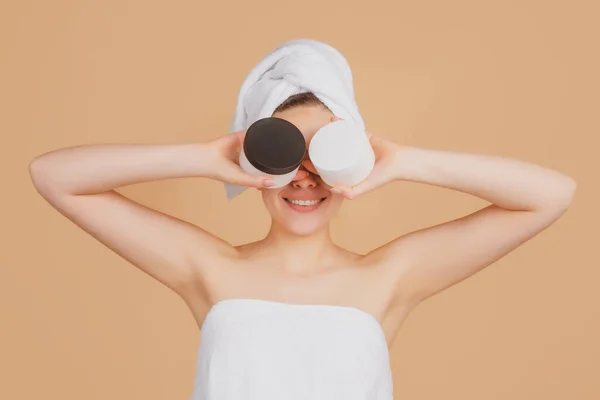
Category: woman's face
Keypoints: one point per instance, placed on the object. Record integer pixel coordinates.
(314, 203)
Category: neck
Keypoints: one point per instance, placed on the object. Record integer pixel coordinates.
(300, 253)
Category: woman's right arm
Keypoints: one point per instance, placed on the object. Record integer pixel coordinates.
(79, 182)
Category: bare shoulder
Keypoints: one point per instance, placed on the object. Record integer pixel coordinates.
(246, 249)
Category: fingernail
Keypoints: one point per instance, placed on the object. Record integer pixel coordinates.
(268, 182)
(335, 190)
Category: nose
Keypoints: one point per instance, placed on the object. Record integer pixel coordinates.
(307, 182)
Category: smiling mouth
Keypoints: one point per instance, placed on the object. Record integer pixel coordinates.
(305, 203)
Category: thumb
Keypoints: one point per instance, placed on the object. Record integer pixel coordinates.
(240, 135)
(237, 176)
(373, 181)
(309, 166)
(236, 141)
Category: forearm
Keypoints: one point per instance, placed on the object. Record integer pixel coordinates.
(97, 168)
(508, 183)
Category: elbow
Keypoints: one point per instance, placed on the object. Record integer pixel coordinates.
(41, 177)
(563, 196)
(568, 192)
(35, 171)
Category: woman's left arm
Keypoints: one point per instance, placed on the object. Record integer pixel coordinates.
(526, 199)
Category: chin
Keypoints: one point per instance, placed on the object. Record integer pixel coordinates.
(302, 228)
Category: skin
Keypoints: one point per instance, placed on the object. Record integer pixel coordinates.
(297, 261)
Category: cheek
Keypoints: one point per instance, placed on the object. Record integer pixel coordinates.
(270, 198)
(336, 202)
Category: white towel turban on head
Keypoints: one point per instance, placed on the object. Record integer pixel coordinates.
(296, 66)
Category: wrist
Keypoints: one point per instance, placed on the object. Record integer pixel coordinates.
(197, 159)
(408, 161)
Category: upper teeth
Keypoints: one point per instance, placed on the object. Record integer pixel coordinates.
(304, 202)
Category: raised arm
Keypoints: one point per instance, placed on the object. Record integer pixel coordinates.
(79, 182)
(525, 199)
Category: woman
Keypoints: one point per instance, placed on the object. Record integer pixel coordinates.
(294, 316)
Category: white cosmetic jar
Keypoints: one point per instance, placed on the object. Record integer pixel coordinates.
(274, 148)
(342, 153)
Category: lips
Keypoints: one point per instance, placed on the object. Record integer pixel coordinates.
(304, 205)
(304, 199)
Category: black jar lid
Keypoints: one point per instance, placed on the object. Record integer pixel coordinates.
(274, 146)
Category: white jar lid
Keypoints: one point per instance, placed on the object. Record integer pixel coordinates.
(338, 145)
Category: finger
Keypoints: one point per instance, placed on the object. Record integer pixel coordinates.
(229, 145)
(350, 192)
(378, 141)
(372, 182)
(378, 144)
(237, 176)
(309, 166)
(240, 135)
(301, 174)
(252, 181)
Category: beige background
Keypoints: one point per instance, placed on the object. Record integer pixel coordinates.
(512, 78)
